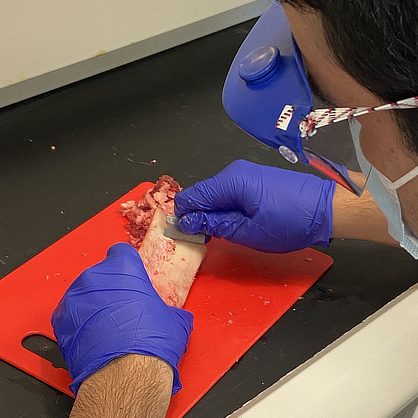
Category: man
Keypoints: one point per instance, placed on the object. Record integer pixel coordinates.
(122, 344)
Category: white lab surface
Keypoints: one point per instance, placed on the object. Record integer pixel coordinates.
(46, 44)
(372, 371)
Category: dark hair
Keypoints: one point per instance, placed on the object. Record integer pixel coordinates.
(376, 42)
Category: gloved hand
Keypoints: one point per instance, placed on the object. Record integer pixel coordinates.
(265, 208)
(111, 310)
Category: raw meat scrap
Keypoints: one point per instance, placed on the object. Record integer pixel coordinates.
(140, 215)
(171, 264)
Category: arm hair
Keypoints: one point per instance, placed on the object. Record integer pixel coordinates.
(130, 386)
(359, 218)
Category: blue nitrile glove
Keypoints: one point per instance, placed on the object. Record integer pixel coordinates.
(111, 310)
(265, 208)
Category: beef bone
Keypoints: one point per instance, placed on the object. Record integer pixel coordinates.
(171, 264)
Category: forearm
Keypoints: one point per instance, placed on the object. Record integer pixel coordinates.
(129, 386)
(359, 218)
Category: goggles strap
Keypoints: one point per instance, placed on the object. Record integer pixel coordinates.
(322, 117)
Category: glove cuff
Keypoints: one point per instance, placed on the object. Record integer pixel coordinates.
(123, 338)
(324, 215)
(104, 361)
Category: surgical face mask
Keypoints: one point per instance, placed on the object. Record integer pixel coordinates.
(384, 192)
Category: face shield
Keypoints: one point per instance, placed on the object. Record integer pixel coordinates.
(267, 94)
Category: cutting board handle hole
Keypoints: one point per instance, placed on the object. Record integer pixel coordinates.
(45, 348)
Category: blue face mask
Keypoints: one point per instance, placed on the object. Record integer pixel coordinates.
(385, 195)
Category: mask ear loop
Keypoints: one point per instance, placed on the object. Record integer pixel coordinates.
(404, 179)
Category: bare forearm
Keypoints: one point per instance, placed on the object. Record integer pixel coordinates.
(130, 386)
(359, 218)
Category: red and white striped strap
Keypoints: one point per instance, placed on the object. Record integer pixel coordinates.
(322, 117)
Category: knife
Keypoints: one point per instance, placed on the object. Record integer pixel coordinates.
(172, 231)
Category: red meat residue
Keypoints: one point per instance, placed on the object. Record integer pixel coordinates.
(140, 215)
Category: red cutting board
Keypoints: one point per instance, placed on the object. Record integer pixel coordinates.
(237, 296)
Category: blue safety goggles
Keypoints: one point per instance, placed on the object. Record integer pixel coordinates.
(266, 94)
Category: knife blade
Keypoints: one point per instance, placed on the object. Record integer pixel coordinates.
(172, 231)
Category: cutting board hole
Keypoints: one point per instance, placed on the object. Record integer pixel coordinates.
(45, 348)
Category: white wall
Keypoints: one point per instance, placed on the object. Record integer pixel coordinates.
(46, 44)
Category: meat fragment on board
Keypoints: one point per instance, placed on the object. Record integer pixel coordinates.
(171, 264)
(140, 215)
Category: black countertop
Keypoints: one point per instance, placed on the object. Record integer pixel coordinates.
(105, 131)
